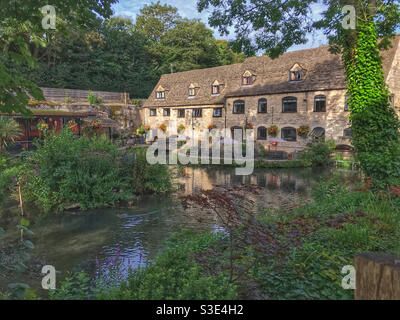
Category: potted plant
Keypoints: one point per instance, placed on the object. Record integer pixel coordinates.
(303, 131)
(163, 127)
(141, 131)
(273, 131)
(212, 126)
(249, 126)
(181, 128)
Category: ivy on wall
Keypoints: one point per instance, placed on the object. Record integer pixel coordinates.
(375, 125)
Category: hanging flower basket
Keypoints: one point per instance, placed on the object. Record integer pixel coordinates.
(42, 126)
(141, 130)
(303, 131)
(147, 128)
(211, 127)
(249, 126)
(181, 128)
(163, 128)
(273, 131)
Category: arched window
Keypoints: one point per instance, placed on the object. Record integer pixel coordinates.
(347, 132)
(262, 133)
(238, 107)
(289, 134)
(262, 105)
(289, 105)
(320, 103)
(317, 133)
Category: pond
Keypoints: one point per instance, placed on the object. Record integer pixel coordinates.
(98, 240)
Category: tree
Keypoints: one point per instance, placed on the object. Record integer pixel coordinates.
(9, 131)
(278, 24)
(155, 20)
(21, 29)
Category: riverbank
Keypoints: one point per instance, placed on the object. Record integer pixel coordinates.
(270, 254)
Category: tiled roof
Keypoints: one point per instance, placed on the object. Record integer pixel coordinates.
(324, 71)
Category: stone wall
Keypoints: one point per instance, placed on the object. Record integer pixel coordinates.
(334, 120)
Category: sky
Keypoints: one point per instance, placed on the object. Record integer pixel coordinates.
(188, 9)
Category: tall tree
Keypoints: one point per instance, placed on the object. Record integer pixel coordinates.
(155, 20)
(21, 27)
(274, 26)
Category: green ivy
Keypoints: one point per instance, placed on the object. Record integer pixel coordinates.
(375, 125)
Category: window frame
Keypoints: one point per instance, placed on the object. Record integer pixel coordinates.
(179, 111)
(347, 135)
(218, 89)
(192, 92)
(166, 112)
(298, 75)
(319, 98)
(247, 81)
(283, 136)
(160, 95)
(151, 112)
(258, 133)
(194, 115)
(266, 105)
(217, 116)
(285, 99)
(242, 102)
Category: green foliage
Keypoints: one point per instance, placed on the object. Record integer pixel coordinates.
(21, 32)
(73, 287)
(281, 164)
(9, 131)
(312, 270)
(92, 99)
(318, 152)
(68, 171)
(375, 126)
(146, 178)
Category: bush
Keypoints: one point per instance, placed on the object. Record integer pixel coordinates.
(146, 178)
(73, 172)
(318, 152)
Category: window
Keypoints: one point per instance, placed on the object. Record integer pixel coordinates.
(181, 113)
(166, 112)
(296, 75)
(153, 112)
(197, 113)
(289, 104)
(248, 78)
(289, 134)
(215, 89)
(320, 103)
(262, 106)
(347, 133)
(217, 113)
(238, 107)
(262, 133)
(317, 133)
(192, 92)
(160, 94)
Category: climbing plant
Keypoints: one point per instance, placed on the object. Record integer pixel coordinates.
(375, 126)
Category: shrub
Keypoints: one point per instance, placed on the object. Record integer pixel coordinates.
(146, 178)
(318, 152)
(9, 131)
(67, 171)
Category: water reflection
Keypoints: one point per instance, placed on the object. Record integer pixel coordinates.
(129, 237)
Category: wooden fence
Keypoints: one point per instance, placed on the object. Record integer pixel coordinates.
(377, 277)
(73, 95)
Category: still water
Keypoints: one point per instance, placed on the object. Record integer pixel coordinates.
(95, 241)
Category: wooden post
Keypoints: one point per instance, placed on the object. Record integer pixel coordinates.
(377, 277)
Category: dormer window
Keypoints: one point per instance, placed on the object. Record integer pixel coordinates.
(216, 88)
(296, 73)
(193, 88)
(248, 78)
(160, 93)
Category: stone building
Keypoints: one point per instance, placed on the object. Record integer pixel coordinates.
(305, 87)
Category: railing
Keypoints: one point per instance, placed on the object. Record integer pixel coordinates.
(73, 95)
